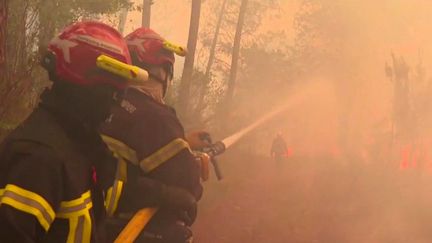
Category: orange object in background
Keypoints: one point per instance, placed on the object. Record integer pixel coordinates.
(289, 152)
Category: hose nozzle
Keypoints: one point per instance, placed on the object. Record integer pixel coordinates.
(214, 150)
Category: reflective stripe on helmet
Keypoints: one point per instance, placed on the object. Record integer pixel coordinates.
(98, 43)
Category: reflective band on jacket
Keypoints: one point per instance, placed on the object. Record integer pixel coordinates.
(113, 197)
(163, 154)
(77, 211)
(122, 152)
(28, 202)
(120, 149)
(151, 162)
(114, 192)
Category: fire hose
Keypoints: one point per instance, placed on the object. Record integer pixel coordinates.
(143, 216)
(138, 222)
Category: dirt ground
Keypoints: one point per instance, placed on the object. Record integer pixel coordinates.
(308, 200)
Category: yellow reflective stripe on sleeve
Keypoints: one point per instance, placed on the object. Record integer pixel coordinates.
(163, 154)
(113, 197)
(76, 207)
(120, 149)
(121, 172)
(28, 202)
(108, 199)
(78, 230)
(87, 228)
(73, 225)
(114, 192)
(78, 213)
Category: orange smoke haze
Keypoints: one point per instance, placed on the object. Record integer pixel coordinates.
(358, 171)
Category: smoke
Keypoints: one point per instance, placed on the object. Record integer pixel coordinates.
(359, 128)
(297, 99)
(359, 133)
(354, 40)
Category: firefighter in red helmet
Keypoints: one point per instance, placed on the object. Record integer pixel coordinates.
(52, 167)
(146, 133)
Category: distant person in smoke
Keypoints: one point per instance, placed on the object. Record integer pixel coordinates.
(279, 149)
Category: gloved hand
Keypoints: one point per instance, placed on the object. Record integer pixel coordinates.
(203, 161)
(179, 200)
(176, 198)
(196, 141)
(173, 198)
(188, 217)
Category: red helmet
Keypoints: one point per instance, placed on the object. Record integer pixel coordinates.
(72, 54)
(148, 47)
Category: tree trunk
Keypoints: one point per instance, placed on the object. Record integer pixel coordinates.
(146, 13)
(215, 38)
(211, 57)
(46, 28)
(235, 54)
(122, 19)
(15, 66)
(3, 24)
(184, 91)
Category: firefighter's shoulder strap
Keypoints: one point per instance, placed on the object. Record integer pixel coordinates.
(163, 154)
(115, 191)
(120, 149)
(151, 162)
(142, 217)
(124, 152)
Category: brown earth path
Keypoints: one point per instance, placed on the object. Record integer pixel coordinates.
(311, 200)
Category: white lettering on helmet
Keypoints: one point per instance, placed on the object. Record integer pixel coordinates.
(65, 46)
(99, 43)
